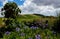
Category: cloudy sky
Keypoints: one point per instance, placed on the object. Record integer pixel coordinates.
(45, 7)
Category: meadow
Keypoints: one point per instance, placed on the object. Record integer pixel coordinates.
(34, 32)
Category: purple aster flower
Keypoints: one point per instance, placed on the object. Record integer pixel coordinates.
(22, 34)
(17, 29)
(36, 27)
(46, 25)
(53, 32)
(29, 38)
(7, 32)
(37, 36)
(33, 27)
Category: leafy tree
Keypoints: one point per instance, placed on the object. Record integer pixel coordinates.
(11, 11)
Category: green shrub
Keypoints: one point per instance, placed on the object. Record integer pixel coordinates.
(57, 24)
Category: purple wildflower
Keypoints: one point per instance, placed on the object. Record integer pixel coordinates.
(46, 25)
(7, 32)
(38, 36)
(17, 29)
(53, 32)
(33, 27)
(36, 27)
(30, 38)
(22, 34)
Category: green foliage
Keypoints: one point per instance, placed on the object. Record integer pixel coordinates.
(57, 24)
(11, 10)
(30, 33)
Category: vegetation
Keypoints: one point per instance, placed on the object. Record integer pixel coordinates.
(11, 12)
(57, 24)
(32, 26)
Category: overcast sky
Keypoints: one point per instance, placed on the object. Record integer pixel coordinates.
(45, 7)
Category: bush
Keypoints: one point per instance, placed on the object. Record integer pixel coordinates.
(57, 24)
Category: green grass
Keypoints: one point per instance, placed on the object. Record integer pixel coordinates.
(1, 22)
(30, 17)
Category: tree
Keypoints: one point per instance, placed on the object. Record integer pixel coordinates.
(11, 11)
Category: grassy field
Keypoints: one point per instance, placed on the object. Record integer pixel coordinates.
(31, 17)
(30, 33)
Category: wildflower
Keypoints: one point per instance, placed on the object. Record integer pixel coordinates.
(53, 32)
(33, 27)
(22, 34)
(38, 36)
(30, 38)
(46, 25)
(7, 32)
(17, 29)
(36, 27)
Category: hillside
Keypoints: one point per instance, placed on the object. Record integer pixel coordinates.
(31, 17)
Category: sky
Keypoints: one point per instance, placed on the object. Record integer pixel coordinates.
(45, 7)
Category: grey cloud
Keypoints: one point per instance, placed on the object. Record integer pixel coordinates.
(41, 7)
(55, 3)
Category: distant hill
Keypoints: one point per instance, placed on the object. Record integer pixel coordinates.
(39, 14)
(44, 16)
(28, 16)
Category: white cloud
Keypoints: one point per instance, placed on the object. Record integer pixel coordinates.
(4, 2)
(0, 12)
(55, 3)
(30, 7)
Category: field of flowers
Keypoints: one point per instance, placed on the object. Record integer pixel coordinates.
(25, 32)
(29, 30)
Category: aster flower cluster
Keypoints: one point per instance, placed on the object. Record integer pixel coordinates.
(34, 27)
(26, 32)
(7, 33)
(17, 29)
(37, 36)
(22, 34)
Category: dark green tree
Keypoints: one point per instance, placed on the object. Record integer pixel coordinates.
(11, 11)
